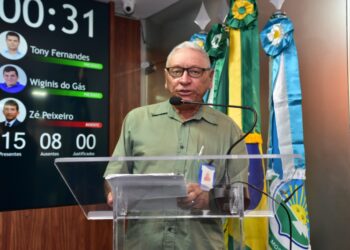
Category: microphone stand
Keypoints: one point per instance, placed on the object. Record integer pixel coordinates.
(224, 193)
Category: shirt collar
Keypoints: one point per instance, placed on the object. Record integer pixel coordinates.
(8, 52)
(16, 85)
(204, 112)
(10, 123)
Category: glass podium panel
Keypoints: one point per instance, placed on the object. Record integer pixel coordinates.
(155, 188)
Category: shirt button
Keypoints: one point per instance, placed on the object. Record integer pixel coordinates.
(171, 229)
(181, 146)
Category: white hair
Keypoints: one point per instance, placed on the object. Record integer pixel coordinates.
(188, 45)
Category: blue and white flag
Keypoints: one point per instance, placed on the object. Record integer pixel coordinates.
(286, 176)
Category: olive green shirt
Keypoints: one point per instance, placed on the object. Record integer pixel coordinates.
(157, 130)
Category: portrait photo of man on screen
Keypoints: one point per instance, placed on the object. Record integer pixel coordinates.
(11, 82)
(11, 112)
(14, 47)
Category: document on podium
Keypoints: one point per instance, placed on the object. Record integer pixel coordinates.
(149, 191)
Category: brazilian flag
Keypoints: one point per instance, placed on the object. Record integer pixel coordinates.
(234, 51)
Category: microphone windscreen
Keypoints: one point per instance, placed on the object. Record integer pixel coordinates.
(175, 100)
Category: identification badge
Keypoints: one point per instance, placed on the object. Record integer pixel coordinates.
(206, 176)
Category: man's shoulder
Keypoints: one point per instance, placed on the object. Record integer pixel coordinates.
(3, 86)
(150, 109)
(4, 51)
(19, 85)
(17, 122)
(218, 115)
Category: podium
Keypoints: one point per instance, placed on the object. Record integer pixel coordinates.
(149, 202)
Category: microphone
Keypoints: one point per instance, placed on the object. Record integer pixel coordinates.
(177, 101)
(222, 193)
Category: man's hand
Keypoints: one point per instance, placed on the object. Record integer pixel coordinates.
(196, 198)
(110, 199)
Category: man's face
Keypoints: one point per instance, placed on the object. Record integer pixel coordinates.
(10, 112)
(187, 87)
(12, 43)
(10, 78)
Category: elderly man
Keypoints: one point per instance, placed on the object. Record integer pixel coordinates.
(164, 129)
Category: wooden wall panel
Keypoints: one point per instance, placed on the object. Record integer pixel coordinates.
(125, 74)
(61, 228)
(66, 228)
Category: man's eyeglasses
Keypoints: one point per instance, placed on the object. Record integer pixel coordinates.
(194, 72)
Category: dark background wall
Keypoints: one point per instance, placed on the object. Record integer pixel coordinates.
(66, 228)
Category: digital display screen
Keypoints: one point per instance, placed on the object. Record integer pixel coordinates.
(54, 81)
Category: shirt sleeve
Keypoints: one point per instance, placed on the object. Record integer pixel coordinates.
(123, 148)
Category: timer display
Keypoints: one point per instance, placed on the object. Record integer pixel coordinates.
(53, 95)
(26, 9)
